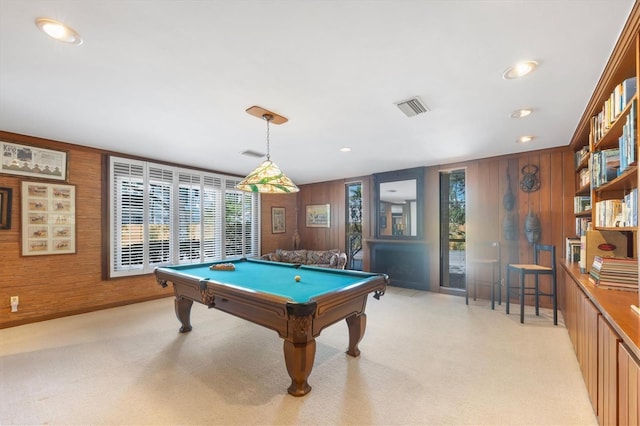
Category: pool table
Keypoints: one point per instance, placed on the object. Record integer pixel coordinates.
(268, 294)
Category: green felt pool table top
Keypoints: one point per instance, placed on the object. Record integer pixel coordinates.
(278, 278)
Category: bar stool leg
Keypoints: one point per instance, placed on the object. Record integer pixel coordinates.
(466, 293)
(508, 290)
(493, 286)
(537, 290)
(499, 285)
(555, 299)
(522, 296)
(475, 283)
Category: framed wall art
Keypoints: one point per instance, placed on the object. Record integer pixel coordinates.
(31, 161)
(48, 218)
(278, 225)
(318, 216)
(5, 208)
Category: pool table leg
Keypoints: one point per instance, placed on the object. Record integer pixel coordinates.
(357, 324)
(299, 358)
(183, 312)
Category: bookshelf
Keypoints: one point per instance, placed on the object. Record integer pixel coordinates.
(602, 318)
(605, 147)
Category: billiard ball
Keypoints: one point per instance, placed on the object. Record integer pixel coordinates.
(297, 278)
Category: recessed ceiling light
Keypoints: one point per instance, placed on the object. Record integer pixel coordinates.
(525, 139)
(519, 70)
(520, 113)
(59, 31)
(345, 149)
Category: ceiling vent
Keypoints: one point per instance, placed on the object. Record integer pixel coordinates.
(251, 153)
(412, 107)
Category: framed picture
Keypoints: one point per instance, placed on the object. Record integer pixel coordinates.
(318, 216)
(31, 161)
(5, 208)
(278, 220)
(48, 218)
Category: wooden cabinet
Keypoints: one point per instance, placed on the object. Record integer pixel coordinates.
(607, 374)
(581, 319)
(605, 334)
(628, 387)
(588, 359)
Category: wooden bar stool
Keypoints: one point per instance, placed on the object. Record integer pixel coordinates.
(535, 269)
(486, 257)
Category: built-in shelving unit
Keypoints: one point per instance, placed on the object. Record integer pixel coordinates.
(603, 326)
(606, 147)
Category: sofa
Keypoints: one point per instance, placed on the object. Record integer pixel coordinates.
(324, 258)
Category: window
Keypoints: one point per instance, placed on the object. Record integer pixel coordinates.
(354, 224)
(453, 239)
(163, 215)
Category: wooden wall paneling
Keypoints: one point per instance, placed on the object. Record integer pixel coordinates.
(556, 210)
(332, 193)
(568, 218)
(490, 200)
(366, 218)
(529, 201)
(544, 212)
(431, 220)
(553, 205)
(475, 179)
(510, 166)
(484, 195)
(339, 203)
(269, 241)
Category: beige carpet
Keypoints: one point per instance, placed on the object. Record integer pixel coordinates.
(426, 358)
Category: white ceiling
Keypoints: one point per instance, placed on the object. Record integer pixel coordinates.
(170, 80)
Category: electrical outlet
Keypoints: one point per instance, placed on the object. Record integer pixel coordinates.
(14, 303)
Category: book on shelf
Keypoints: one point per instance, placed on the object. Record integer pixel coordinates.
(618, 213)
(605, 166)
(572, 249)
(631, 208)
(582, 225)
(614, 273)
(585, 177)
(581, 203)
(629, 88)
(610, 167)
(628, 140)
(618, 100)
(581, 155)
(610, 214)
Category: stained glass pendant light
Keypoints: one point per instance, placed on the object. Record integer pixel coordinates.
(267, 177)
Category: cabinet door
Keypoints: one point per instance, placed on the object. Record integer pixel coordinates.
(628, 387)
(589, 346)
(607, 373)
(571, 296)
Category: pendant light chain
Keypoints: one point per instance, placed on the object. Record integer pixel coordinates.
(268, 117)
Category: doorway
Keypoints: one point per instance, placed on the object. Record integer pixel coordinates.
(453, 242)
